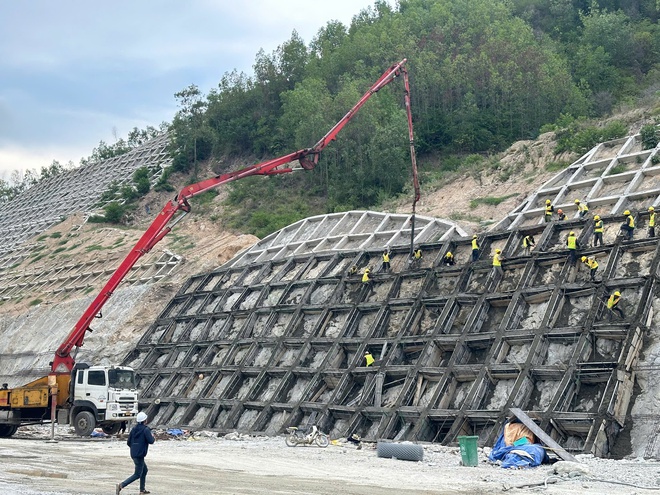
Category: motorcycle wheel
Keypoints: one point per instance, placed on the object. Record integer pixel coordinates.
(290, 441)
(322, 440)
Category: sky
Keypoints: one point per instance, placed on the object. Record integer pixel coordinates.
(75, 72)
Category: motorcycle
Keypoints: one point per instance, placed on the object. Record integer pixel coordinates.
(306, 435)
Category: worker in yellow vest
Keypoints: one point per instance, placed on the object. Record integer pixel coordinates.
(365, 277)
(598, 230)
(528, 243)
(368, 359)
(583, 209)
(448, 259)
(593, 266)
(549, 210)
(475, 248)
(416, 258)
(573, 246)
(386, 261)
(628, 227)
(651, 221)
(497, 263)
(613, 305)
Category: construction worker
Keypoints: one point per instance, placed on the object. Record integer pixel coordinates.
(475, 248)
(583, 209)
(386, 261)
(593, 266)
(353, 271)
(448, 259)
(528, 243)
(561, 215)
(549, 210)
(368, 359)
(573, 246)
(598, 230)
(365, 277)
(629, 225)
(497, 262)
(613, 305)
(416, 258)
(651, 221)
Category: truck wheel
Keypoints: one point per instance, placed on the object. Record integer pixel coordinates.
(84, 423)
(111, 429)
(7, 430)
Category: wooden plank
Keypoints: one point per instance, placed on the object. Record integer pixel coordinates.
(542, 435)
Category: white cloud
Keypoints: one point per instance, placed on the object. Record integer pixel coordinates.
(73, 70)
(17, 158)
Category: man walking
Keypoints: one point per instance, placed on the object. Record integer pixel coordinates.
(139, 440)
(598, 230)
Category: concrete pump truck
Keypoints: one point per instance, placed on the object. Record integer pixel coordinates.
(86, 396)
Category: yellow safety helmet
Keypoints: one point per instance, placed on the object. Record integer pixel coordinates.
(547, 201)
(571, 233)
(617, 293)
(651, 208)
(627, 212)
(449, 253)
(498, 251)
(596, 217)
(584, 258)
(367, 270)
(474, 236)
(577, 201)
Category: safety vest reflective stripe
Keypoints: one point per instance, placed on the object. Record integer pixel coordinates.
(572, 242)
(612, 301)
(496, 260)
(598, 226)
(631, 222)
(652, 220)
(474, 244)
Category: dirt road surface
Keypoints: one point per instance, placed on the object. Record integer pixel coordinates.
(257, 466)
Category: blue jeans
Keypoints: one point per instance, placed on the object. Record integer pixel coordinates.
(140, 472)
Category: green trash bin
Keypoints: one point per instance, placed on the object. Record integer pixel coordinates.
(468, 446)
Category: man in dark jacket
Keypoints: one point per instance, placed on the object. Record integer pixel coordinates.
(139, 440)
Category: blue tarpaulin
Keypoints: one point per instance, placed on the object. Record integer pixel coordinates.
(175, 432)
(517, 456)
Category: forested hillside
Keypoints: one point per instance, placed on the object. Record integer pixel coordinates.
(484, 74)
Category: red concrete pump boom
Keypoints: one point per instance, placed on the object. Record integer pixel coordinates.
(161, 226)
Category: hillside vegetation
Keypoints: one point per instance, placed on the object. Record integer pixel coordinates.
(484, 74)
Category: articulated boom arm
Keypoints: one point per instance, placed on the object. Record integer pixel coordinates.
(161, 226)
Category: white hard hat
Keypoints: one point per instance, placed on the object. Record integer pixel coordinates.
(141, 417)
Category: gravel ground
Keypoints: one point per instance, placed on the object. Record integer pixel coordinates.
(205, 464)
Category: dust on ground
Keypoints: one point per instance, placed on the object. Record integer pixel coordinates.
(205, 464)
